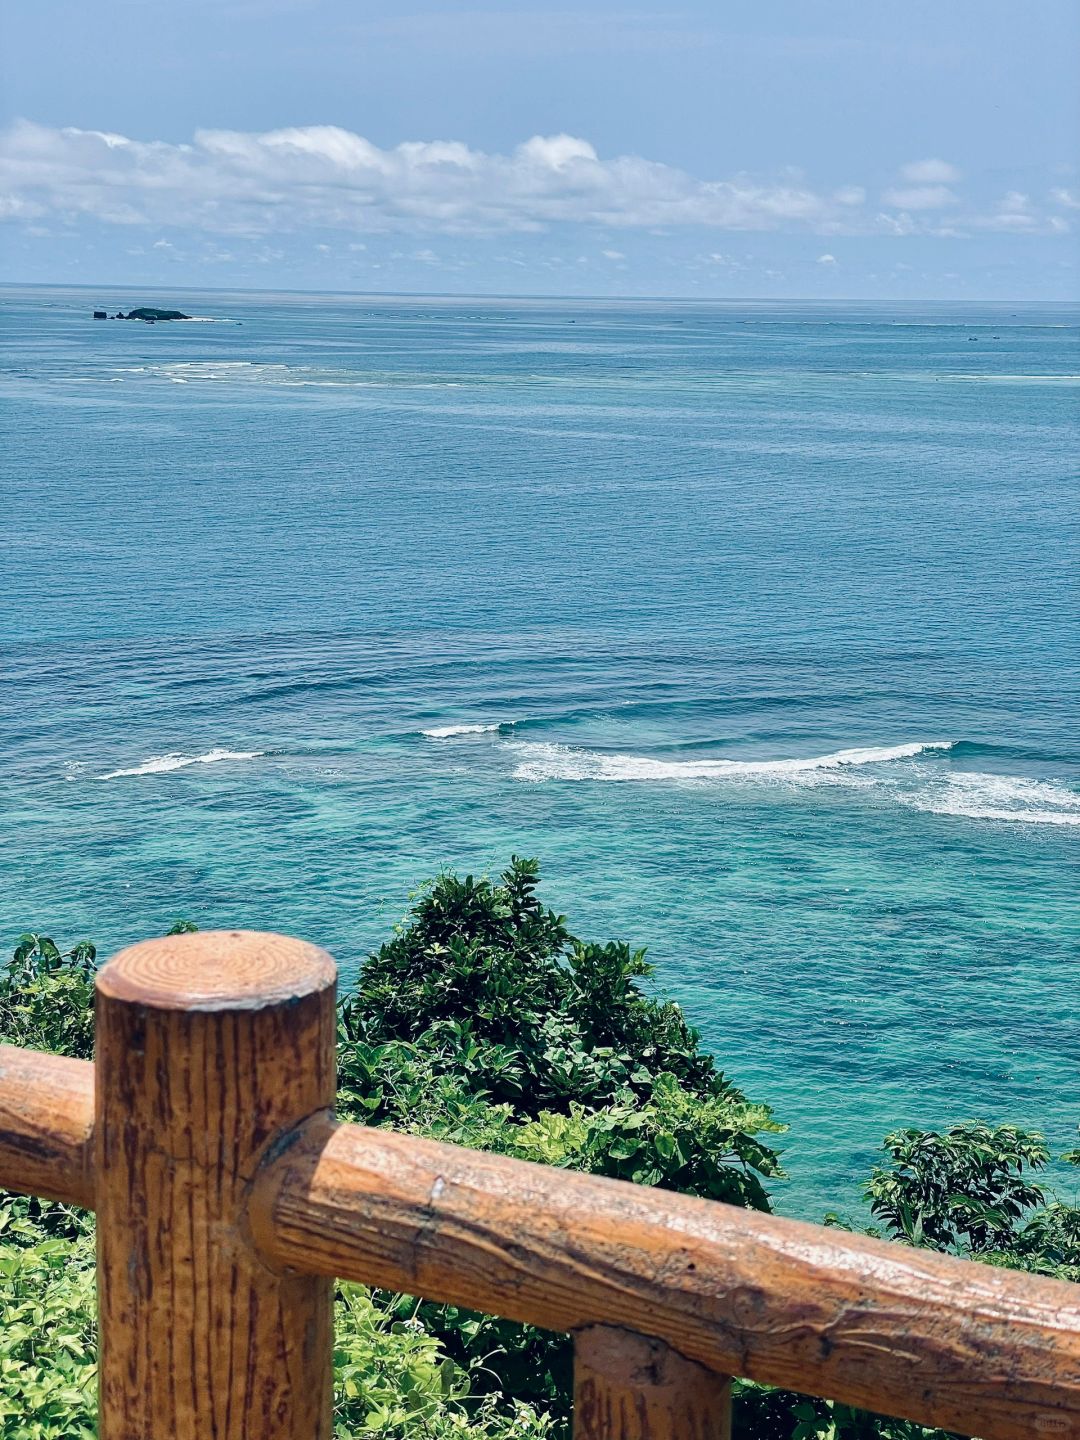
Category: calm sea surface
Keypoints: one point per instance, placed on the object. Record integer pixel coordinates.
(754, 622)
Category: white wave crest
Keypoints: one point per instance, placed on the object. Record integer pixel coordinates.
(159, 764)
(545, 761)
(976, 796)
(447, 732)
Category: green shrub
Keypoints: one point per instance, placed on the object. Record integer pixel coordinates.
(48, 1360)
(47, 997)
(967, 1191)
(483, 1020)
(392, 1379)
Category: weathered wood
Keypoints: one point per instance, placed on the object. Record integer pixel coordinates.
(209, 1047)
(900, 1331)
(46, 1126)
(633, 1387)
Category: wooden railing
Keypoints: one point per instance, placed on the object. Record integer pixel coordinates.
(227, 1198)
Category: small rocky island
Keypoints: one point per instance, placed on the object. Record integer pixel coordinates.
(144, 313)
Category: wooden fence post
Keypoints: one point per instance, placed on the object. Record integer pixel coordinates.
(634, 1387)
(210, 1048)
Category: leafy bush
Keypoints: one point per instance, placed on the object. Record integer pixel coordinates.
(48, 1358)
(484, 1014)
(483, 1021)
(967, 1191)
(47, 997)
(395, 1381)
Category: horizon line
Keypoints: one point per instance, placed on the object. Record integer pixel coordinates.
(540, 296)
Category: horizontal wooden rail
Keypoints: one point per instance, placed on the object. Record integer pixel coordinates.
(228, 1196)
(900, 1331)
(46, 1125)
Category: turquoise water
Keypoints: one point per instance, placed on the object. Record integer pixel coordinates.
(754, 622)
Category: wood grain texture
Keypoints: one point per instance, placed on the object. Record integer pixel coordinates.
(632, 1387)
(46, 1126)
(209, 1048)
(904, 1332)
(216, 971)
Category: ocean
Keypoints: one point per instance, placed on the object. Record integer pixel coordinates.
(756, 623)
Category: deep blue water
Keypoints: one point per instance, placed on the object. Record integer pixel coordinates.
(301, 608)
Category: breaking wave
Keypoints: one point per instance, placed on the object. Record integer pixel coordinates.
(447, 732)
(562, 762)
(160, 764)
(972, 795)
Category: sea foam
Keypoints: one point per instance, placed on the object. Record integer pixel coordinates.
(977, 796)
(970, 795)
(545, 761)
(160, 764)
(447, 732)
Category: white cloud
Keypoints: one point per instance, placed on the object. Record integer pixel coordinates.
(1013, 213)
(929, 172)
(556, 152)
(613, 255)
(238, 185)
(235, 183)
(901, 224)
(14, 207)
(1068, 198)
(920, 197)
(826, 259)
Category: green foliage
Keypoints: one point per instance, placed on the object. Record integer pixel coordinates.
(394, 1380)
(700, 1145)
(48, 1363)
(484, 974)
(47, 997)
(968, 1191)
(761, 1412)
(483, 1018)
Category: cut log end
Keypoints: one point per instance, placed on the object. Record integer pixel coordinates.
(216, 970)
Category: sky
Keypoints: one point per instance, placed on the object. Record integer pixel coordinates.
(712, 148)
